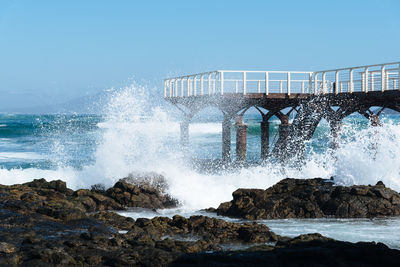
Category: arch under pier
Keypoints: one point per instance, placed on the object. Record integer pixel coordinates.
(311, 96)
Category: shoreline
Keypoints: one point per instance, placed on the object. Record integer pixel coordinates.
(46, 223)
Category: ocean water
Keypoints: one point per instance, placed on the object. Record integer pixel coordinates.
(135, 136)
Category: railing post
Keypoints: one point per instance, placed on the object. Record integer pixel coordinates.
(362, 82)
(310, 82)
(383, 78)
(288, 83)
(267, 82)
(337, 83)
(209, 84)
(176, 87)
(387, 81)
(222, 82)
(182, 87)
(188, 86)
(315, 83)
(366, 81)
(258, 86)
(202, 84)
(169, 84)
(398, 78)
(237, 86)
(302, 87)
(351, 80)
(280, 87)
(213, 83)
(244, 83)
(323, 82)
(195, 86)
(165, 88)
(372, 81)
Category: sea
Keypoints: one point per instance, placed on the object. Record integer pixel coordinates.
(136, 135)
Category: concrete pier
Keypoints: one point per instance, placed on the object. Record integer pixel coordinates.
(336, 130)
(264, 138)
(241, 140)
(284, 130)
(226, 139)
(309, 96)
(184, 140)
(374, 119)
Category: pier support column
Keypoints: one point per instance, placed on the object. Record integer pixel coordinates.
(226, 139)
(264, 139)
(336, 129)
(374, 119)
(241, 140)
(284, 130)
(185, 136)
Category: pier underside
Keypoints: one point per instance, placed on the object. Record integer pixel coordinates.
(307, 96)
(309, 110)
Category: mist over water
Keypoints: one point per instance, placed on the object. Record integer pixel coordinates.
(136, 136)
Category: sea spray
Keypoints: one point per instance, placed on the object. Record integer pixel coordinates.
(135, 135)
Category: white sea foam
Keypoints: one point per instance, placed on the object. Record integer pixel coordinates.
(9, 156)
(137, 136)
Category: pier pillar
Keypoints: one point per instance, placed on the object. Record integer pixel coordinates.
(374, 119)
(226, 139)
(336, 129)
(284, 128)
(241, 140)
(264, 139)
(185, 135)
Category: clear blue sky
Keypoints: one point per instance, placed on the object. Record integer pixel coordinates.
(53, 51)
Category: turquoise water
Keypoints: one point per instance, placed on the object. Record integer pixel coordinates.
(48, 141)
(133, 137)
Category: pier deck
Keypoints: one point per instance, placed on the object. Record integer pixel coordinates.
(330, 94)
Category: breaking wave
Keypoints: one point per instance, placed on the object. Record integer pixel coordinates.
(135, 136)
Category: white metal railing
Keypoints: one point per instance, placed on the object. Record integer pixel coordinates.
(379, 77)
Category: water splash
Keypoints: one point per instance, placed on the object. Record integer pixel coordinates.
(136, 136)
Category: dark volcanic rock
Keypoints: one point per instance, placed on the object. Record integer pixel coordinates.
(312, 198)
(47, 224)
(145, 196)
(305, 250)
(213, 230)
(113, 219)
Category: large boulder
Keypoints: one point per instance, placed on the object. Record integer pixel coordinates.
(312, 198)
(142, 191)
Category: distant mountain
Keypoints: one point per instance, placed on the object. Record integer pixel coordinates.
(91, 104)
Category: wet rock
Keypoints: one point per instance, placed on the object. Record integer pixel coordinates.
(7, 248)
(305, 250)
(312, 198)
(130, 192)
(201, 228)
(41, 224)
(57, 185)
(114, 220)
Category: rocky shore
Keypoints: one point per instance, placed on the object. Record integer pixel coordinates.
(312, 198)
(46, 224)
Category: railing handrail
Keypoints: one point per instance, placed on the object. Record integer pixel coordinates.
(236, 71)
(350, 79)
(358, 67)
